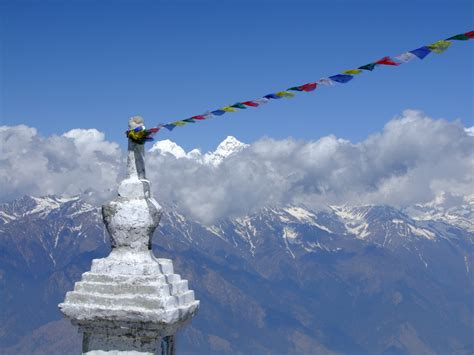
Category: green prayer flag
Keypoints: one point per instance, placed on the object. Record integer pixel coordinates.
(370, 66)
(189, 120)
(461, 37)
(295, 88)
(239, 105)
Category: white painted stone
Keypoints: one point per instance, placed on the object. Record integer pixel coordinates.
(130, 300)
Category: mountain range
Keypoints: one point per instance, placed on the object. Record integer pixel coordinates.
(282, 280)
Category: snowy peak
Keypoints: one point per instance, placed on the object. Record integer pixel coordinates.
(448, 208)
(229, 146)
(40, 207)
(168, 147)
(225, 149)
(383, 225)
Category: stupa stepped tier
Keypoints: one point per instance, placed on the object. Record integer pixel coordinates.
(130, 302)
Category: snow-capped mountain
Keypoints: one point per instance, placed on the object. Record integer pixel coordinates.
(225, 149)
(286, 276)
(40, 207)
(453, 210)
(168, 147)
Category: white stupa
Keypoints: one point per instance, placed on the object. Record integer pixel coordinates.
(130, 302)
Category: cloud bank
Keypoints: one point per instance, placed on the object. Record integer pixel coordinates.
(80, 162)
(414, 159)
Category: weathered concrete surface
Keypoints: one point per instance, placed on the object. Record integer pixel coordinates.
(130, 300)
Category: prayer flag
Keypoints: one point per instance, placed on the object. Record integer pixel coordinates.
(460, 37)
(239, 105)
(218, 112)
(189, 120)
(421, 52)
(198, 117)
(352, 71)
(286, 94)
(229, 109)
(296, 88)
(169, 127)
(439, 47)
(208, 115)
(470, 34)
(341, 78)
(262, 100)
(405, 57)
(250, 103)
(369, 66)
(178, 123)
(386, 61)
(325, 81)
(272, 96)
(153, 130)
(308, 87)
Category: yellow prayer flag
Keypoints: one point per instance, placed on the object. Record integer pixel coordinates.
(178, 123)
(440, 46)
(352, 71)
(229, 109)
(287, 94)
(136, 135)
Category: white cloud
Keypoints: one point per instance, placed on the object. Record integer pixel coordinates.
(78, 162)
(413, 160)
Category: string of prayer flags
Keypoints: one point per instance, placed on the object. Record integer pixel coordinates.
(141, 134)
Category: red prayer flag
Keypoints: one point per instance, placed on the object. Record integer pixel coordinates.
(154, 130)
(308, 87)
(198, 117)
(470, 34)
(387, 61)
(250, 103)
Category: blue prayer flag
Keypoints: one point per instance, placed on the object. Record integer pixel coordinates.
(272, 96)
(341, 78)
(421, 52)
(169, 127)
(218, 112)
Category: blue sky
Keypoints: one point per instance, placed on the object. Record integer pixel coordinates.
(92, 64)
